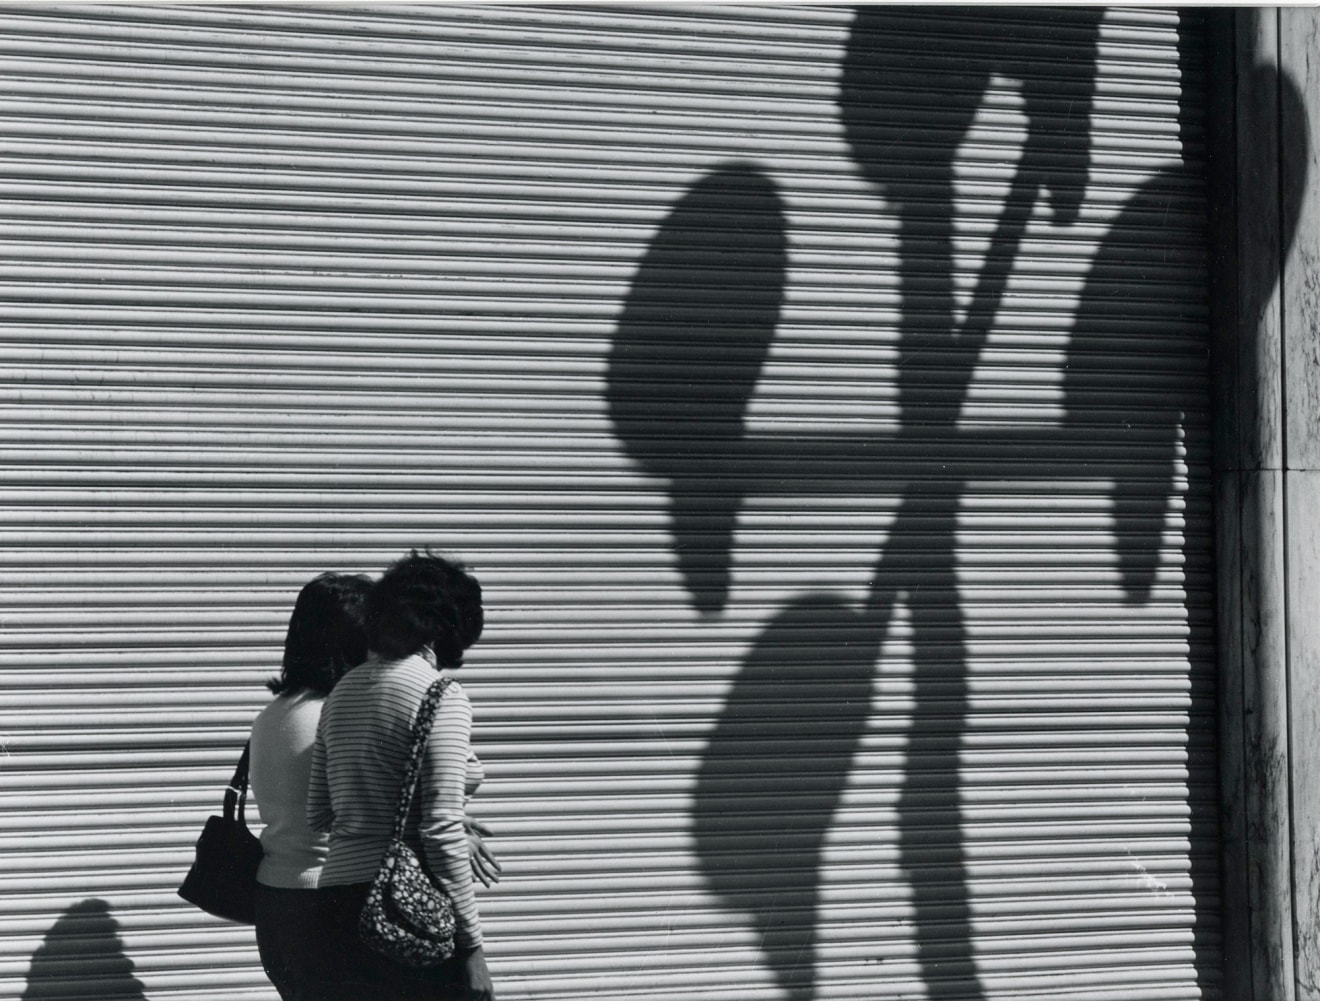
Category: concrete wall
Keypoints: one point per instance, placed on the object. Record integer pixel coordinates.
(1266, 122)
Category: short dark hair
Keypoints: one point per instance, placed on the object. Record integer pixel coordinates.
(424, 600)
(326, 635)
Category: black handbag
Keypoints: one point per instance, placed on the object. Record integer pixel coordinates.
(223, 877)
(408, 918)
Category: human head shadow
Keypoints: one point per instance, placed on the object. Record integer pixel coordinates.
(82, 956)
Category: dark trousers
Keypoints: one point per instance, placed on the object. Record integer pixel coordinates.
(310, 949)
(290, 941)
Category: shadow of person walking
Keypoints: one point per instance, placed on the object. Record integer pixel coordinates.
(82, 956)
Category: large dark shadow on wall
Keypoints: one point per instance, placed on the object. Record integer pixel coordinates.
(776, 764)
(906, 109)
(83, 957)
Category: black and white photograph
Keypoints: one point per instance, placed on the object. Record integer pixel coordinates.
(659, 502)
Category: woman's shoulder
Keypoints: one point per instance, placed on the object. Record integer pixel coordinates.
(289, 711)
(300, 702)
(452, 695)
(455, 692)
(406, 681)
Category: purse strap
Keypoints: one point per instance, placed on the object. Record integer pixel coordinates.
(236, 794)
(421, 731)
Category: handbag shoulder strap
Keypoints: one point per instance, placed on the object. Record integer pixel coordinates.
(236, 794)
(421, 731)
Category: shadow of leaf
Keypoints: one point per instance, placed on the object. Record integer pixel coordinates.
(1123, 417)
(906, 109)
(774, 769)
(691, 340)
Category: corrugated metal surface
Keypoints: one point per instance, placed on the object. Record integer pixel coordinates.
(824, 659)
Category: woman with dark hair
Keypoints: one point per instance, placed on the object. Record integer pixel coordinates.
(325, 638)
(421, 616)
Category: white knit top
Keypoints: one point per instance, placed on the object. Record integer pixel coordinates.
(281, 765)
(358, 759)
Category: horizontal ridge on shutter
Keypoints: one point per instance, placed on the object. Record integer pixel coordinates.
(285, 290)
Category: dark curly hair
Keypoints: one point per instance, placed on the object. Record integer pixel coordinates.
(326, 634)
(424, 600)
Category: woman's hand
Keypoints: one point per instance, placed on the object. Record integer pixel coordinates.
(479, 987)
(485, 866)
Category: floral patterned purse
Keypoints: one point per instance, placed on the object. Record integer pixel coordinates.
(406, 917)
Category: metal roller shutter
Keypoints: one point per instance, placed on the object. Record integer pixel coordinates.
(819, 394)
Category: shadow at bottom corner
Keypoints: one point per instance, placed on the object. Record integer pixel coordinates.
(82, 956)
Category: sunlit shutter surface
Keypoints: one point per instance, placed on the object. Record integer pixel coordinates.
(822, 661)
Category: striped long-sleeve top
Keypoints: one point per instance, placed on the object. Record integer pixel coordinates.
(361, 750)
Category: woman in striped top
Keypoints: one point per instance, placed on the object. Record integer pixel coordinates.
(421, 616)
